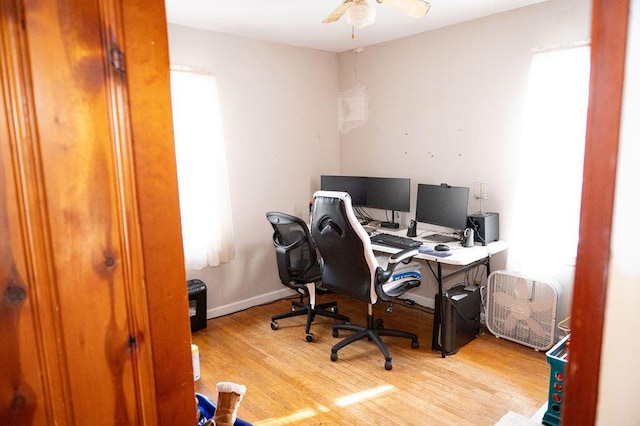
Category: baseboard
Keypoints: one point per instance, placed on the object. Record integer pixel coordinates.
(248, 303)
(285, 292)
(427, 302)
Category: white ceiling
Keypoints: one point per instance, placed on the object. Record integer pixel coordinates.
(299, 22)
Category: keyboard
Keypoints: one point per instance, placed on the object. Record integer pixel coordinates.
(395, 241)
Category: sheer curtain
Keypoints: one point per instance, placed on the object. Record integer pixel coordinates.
(205, 205)
(549, 182)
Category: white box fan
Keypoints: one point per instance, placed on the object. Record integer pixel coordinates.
(522, 309)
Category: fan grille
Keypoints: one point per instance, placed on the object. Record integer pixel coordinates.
(522, 309)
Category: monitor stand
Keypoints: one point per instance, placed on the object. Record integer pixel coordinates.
(391, 224)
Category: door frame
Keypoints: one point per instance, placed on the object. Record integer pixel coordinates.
(608, 53)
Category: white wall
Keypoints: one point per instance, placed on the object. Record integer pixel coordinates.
(447, 106)
(279, 118)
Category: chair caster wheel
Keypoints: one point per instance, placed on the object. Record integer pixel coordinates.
(309, 337)
(274, 325)
(334, 356)
(334, 333)
(415, 344)
(388, 365)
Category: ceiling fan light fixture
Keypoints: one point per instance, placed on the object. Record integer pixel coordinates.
(360, 15)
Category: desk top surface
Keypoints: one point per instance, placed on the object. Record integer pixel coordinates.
(459, 255)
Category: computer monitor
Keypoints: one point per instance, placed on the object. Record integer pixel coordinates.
(355, 186)
(376, 192)
(442, 205)
(389, 193)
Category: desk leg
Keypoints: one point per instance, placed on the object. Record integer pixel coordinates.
(443, 334)
(438, 336)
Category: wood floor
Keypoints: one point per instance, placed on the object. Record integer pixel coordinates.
(291, 381)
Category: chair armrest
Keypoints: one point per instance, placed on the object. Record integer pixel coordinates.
(384, 275)
(404, 256)
(284, 250)
(396, 288)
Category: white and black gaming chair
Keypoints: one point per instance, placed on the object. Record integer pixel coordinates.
(351, 268)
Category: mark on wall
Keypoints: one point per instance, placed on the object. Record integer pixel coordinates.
(353, 109)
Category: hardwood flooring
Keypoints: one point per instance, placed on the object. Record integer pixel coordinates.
(293, 382)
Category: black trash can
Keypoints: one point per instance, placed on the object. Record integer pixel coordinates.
(197, 291)
(462, 319)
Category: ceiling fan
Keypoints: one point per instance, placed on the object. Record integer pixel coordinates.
(360, 13)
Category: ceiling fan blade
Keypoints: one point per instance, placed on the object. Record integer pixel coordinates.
(414, 8)
(338, 12)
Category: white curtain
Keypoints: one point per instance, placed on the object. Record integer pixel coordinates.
(549, 183)
(205, 205)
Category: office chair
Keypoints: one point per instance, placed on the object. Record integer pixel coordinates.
(351, 268)
(299, 269)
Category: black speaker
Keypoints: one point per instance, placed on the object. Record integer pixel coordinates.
(486, 227)
(197, 291)
(461, 317)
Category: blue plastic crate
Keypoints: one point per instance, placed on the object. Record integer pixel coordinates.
(557, 359)
(207, 409)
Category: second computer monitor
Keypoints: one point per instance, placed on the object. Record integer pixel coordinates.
(442, 205)
(355, 186)
(375, 192)
(389, 193)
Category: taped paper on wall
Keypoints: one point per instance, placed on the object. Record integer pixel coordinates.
(353, 110)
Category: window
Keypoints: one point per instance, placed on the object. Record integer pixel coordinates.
(549, 182)
(205, 206)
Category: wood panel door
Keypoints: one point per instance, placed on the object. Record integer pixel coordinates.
(94, 324)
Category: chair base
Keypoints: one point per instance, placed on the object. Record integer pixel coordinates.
(298, 308)
(373, 331)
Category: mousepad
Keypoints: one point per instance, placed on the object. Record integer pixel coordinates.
(433, 252)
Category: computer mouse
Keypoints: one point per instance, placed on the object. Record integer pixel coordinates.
(441, 247)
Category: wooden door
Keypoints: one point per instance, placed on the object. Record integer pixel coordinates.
(93, 314)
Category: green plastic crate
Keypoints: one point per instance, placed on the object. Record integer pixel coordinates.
(557, 358)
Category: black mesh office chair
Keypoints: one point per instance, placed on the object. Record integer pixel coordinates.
(351, 268)
(299, 269)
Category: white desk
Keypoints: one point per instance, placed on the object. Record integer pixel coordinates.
(460, 256)
(463, 258)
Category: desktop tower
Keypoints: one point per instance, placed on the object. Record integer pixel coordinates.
(197, 291)
(461, 317)
(485, 226)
